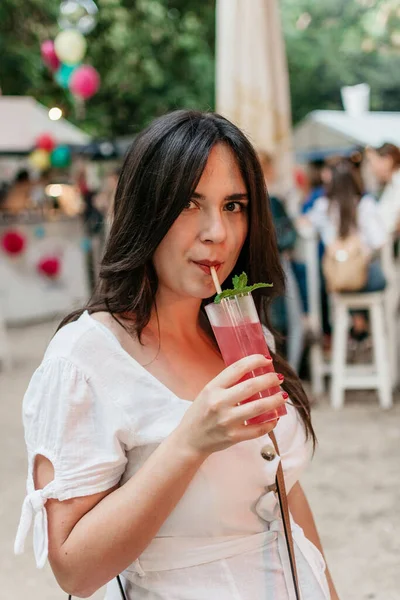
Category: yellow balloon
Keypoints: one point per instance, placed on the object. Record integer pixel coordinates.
(40, 159)
(70, 46)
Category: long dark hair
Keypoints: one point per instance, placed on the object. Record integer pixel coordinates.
(345, 190)
(391, 150)
(160, 173)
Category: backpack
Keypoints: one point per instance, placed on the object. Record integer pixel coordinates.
(345, 265)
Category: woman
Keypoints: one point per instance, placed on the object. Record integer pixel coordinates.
(287, 313)
(132, 421)
(346, 210)
(316, 184)
(18, 196)
(385, 164)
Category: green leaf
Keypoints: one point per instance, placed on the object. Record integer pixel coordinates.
(250, 288)
(242, 280)
(235, 281)
(239, 287)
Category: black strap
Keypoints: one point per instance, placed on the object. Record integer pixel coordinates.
(292, 559)
(283, 504)
(121, 589)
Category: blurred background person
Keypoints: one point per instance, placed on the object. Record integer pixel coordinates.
(287, 311)
(38, 194)
(346, 210)
(316, 187)
(104, 199)
(385, 164)
(18, 197)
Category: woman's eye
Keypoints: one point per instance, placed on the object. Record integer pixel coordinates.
(189, 205)
(235, 207)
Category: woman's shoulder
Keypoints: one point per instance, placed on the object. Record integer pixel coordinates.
(368, 199)
(322, 201)
(81, 342)
(320, 206)
(368, 204)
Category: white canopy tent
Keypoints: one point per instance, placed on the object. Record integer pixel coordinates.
(252, 85)
(325, 132)
(23, 119)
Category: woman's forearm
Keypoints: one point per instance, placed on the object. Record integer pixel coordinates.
(116, 531)
(301, 513)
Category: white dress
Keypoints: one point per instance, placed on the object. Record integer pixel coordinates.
(97, 415)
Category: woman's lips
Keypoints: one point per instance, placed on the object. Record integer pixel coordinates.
(206, 268)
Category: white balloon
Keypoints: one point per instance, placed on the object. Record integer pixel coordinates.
(70, 46)
(78, 14)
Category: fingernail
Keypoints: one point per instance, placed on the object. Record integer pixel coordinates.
(285, 395)
(281, 377)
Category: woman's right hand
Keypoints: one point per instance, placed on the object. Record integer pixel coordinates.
(216, 420)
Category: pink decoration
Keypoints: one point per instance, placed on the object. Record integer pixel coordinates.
(49, 55)
(13, 242)
(84, 82)
(45, 142)
(300, 178)
(49, 266)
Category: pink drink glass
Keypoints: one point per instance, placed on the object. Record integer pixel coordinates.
(238, 331)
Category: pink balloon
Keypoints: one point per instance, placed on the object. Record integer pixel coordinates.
(49, 55)
(84, 82)
(45, 142)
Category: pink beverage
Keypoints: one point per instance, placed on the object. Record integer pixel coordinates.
(238, 331)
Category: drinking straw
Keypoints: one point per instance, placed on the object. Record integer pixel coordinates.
(216, 280)
(224, 302)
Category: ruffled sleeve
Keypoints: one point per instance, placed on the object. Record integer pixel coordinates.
(78, 428)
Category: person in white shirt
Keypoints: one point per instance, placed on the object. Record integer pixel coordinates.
(385, 164)
(140, 459)
(343, 211)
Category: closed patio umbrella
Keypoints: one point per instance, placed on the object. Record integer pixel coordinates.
(252, 86)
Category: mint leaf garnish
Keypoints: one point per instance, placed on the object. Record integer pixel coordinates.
(239, 287)
(239, 281)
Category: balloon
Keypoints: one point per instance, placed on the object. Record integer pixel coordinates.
(49, 266)
(45, 142)
(39, 232)
(300, 178)
(63, 75)
(49, 55)
(85, 82)
(78, 14)
(13, 242)
(70, 46)
(40, 159)
(61, 157)
(86, 244)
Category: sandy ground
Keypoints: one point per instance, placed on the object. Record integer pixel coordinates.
(353, 487)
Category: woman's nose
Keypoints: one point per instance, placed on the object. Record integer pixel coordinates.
(213, 228)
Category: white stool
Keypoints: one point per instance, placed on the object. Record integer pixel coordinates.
(372, 376)
(308, 253)
(392, 299)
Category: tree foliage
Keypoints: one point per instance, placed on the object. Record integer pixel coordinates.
(332, 43)
(152, 56)
(158, 55)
